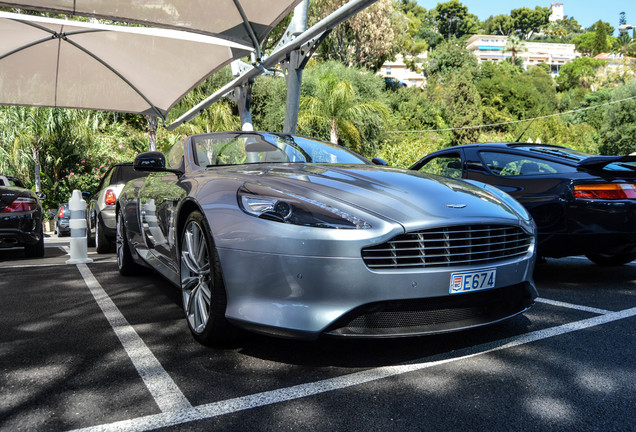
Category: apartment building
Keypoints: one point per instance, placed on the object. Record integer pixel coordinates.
(493, 48)
(398, 71)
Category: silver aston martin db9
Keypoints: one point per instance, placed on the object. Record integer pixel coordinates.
(294, 237)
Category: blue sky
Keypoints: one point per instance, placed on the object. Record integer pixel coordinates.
(586, 12)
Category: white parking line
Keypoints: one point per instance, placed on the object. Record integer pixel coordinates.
(571, 306)
(215, 409)
(163, 389)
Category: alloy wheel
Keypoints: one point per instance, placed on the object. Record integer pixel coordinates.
(195, 277)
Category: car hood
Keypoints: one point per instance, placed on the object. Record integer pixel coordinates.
(410, 198)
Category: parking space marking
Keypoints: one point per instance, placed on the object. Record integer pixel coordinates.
(572, 306)
(163, 389)
(202, 412)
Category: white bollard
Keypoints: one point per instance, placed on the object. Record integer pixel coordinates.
(79, 249)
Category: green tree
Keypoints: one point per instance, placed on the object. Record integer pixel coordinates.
(414, 19)
(527, 21)
(346, 103)
(430, 36)
(450, 57)
(562, 31)
(462, 108)
(499, 25)
(367, 39)
(221, 116)
(609, 30)
(515, 45)
(508, 94)
(600, 39)
(453, 20)
(584, 43)
(618, 129)
(580, 72)
(623, 43)
(335, 105)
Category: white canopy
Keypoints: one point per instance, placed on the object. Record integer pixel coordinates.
(222, 18)
(71, 64)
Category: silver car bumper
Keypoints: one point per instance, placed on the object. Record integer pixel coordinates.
(306, 296)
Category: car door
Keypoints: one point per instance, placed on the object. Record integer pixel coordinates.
(541, 185)
(158, 199)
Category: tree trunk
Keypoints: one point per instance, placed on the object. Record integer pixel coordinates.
(152, 132)
(36, 168)
(334, 131)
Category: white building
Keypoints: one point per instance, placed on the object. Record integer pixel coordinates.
(556, 12)
(397, 70)
(493, 48)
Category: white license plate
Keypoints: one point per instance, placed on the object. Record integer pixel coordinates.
(472, 281)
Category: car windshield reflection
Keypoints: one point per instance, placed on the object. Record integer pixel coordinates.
(250, 148)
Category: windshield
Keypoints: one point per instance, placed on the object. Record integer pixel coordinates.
(258, 147)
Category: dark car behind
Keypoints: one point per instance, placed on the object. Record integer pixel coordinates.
(582, 204)
(62, 220)
(21, 218)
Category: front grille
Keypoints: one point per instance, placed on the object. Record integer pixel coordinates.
(448, 247)
(434, 315)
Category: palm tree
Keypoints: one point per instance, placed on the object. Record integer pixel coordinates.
(334, 104)
(515, 45)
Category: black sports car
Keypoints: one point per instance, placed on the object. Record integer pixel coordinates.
(20, 218)
(582, 204)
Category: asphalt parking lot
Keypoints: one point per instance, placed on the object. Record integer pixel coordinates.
(84, 348)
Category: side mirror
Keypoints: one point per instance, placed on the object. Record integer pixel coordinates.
(379, 161)
(41, 195)
(86, 195)
(150, 161)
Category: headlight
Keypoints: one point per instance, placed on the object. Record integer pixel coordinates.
(271, 204)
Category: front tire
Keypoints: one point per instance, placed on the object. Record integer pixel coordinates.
(202, 287)
(609, 260)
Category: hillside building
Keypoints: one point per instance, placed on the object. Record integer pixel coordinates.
(493, 48)
(556, 12)
(397, 70)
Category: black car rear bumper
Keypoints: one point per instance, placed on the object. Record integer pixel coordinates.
(593, 227)
(19, 230)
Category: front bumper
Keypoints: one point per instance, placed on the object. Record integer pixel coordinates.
(306, 297)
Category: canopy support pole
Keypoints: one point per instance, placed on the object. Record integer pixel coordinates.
(292, 67)
(242, 95)
(303, 43)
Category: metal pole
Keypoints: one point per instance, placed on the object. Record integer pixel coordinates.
(279, 54)
(293, 71)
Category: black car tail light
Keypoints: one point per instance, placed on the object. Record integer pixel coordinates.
(110, 198)
(20, 204)
(61, 213)
(608, 191)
